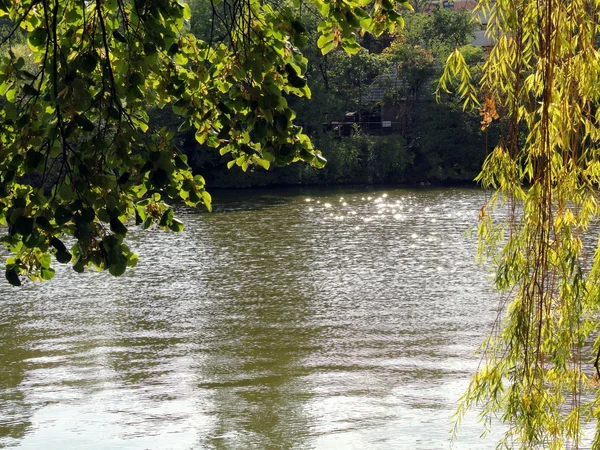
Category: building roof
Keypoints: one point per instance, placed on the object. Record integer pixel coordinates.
(390, 81)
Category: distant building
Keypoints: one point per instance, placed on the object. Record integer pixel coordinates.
(383, 84)
(454, 5)
(383, 107)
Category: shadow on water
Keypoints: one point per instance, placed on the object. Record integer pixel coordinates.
(15, 412)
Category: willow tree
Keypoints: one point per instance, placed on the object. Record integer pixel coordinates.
(78, 155)
(540, 368)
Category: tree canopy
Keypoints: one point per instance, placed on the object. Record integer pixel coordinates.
(78, 154)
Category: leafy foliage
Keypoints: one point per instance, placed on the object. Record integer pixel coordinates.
(434, 143)
(540, 371)
(77, 152)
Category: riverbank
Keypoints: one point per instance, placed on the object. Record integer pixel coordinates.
(355, 160)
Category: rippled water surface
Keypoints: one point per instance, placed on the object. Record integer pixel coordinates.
(285, 319)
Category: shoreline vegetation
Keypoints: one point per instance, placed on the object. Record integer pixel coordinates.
(354, 160)
(431, 139)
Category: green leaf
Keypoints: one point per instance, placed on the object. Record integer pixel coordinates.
(24, 225)
(23, 120)
(351, 48)
(319, 160)
(79, 266)
(132, 260)
(33, 159)
(176, 226)
(150, 49)
(13, 277)
(159, 178)
(45, 261)
(11, 95)
(297, 81)
(58, 244)
(180, 162)
(298, 26)
(47, 273)
(37, 38)
(262, 163)
(117, 227)
(207, 200)
(166, 218)
(119, 36)
(63, 257)
(28, 89)
(329, 46)
(117, 269)
(10, 111)
(325, 40)
(88, 62)
(62, 215)
(124, 178)
(136, 79)
(43, 223)
(281, 123)
(352, 19)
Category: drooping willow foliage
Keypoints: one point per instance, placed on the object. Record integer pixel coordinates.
(540, 368)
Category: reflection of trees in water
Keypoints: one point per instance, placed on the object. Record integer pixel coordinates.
(244, 327)
(142, 343)
(143, 315)
(257, 333)
(15, 412)
(257, 393)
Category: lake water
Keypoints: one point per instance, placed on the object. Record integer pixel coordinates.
(285, 319)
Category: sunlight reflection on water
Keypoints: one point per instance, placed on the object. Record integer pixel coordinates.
(284, 319)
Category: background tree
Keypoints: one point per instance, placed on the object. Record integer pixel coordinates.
(437, 143)
(444, 142)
